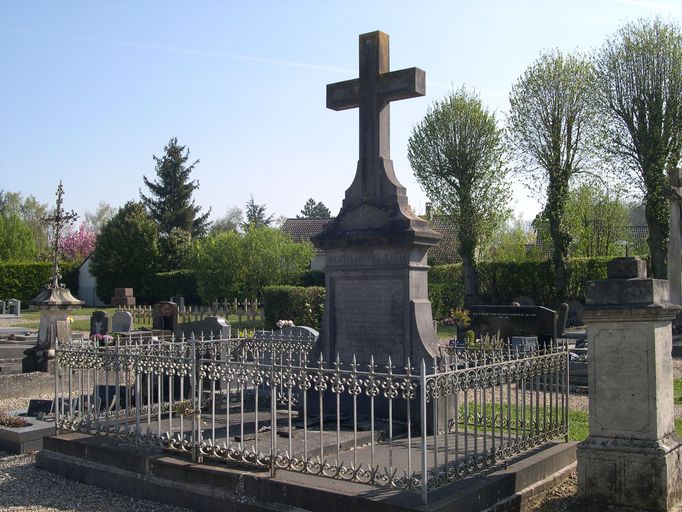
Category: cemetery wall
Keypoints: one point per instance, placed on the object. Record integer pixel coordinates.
(23, 280)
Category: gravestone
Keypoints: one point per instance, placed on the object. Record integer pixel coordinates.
(14, 307)
(99, 323)
(180, 301)
(215, 326)
(633, 456)
(512, 321)
(2, 307)
(122, 321)
(123, 297)
(165, 316)
(375, 249)
(36, 407)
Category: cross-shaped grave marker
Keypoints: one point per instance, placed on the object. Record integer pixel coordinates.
(372, 94)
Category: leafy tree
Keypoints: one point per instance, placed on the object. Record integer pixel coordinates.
(457, 156)
(220, 264)
(597, 220)
(639, 76)
(231, 221)
(127, 252)
(552, 111)
(512, 242)
(313, 210)
(255, 216)
(30, 211)
(230, 264)
(102, 214)
(273, 258)
(16, 239)
(170, 201)
(76, 245)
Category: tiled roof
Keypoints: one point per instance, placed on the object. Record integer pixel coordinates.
(444, 252)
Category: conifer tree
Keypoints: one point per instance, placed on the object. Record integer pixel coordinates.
(170, 201)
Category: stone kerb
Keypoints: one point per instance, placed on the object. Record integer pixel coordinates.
(632, 455)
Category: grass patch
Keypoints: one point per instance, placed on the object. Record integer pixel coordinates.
(578, 425)
(446, 332)
(677, 390)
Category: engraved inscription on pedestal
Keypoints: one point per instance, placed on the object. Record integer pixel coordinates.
(369, 318)
(621, 361)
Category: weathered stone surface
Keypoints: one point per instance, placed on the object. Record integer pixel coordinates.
(122, 321)
(165, 316)
(376, 279)
(626, 268)
(632, 455)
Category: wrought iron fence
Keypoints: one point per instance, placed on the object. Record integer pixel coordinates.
(263, 402)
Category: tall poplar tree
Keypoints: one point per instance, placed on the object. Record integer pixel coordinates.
(170, 201)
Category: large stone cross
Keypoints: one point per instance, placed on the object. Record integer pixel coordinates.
(372, 94)
(58, 220)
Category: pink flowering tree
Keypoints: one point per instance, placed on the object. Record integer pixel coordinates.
(77, 244)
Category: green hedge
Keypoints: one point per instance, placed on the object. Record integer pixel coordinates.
(165, 285)
(311, 278)
(303, 305)
(23, 281)
(501, 282)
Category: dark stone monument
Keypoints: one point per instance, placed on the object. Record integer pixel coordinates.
(211, 326)
(99, 323)
(165, 316)
(36, 407)
(511, 321)
(376, 270)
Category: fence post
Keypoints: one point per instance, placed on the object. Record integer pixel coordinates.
(425, 477)
(273, 416)
(196, 401)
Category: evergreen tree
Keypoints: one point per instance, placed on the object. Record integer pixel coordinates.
(313, 210)
(255, 216)
(170, 201)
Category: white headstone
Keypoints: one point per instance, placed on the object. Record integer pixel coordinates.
(122, 321)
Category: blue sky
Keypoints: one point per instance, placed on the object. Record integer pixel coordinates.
(90, 90)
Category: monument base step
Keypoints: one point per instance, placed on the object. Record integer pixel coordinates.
(10, 366)
(172, 479)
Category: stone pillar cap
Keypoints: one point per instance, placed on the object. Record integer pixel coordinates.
(626, 268)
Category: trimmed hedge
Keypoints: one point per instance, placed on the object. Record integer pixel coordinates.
(311, 278)
(501, 282)
(303, 305)
(23, 281)
(165, 285)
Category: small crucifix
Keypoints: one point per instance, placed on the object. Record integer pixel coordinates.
(57, 220)
(372, 94)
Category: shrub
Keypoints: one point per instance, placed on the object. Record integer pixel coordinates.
(302, 304)
(311, 278)
(23, 281)
(165, 285)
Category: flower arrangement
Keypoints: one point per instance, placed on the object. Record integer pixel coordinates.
(7, 420)
(281, 324)
(103, 339)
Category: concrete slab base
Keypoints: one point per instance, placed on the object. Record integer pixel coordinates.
(25, 439)
(169, 478)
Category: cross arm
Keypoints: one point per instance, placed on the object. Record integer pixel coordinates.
(343, 95)
(402, 84)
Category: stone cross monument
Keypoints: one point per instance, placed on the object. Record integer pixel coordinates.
(54, 301)
(376, 271)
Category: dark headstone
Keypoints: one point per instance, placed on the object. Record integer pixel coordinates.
(512, 321)
(14, 307)
(211, 326)
(36, 407)
(165, 316)
(106, 397)
(99, 323)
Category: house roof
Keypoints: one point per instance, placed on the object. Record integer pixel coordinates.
(445, 251)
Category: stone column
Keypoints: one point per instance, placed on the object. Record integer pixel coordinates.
(632, 455)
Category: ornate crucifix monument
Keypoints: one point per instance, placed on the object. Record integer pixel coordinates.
(376, 271)
(55, 301)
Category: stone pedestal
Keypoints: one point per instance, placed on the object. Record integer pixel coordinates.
(632, 455)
